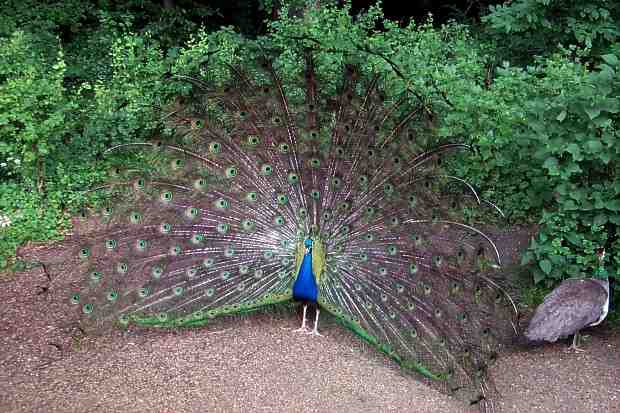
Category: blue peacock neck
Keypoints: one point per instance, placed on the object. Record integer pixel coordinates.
(305, 286)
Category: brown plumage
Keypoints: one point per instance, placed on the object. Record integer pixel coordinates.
(573, 305)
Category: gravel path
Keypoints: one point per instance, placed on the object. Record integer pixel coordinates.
(257, 364)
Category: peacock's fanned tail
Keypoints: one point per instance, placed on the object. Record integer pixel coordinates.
(215, 228)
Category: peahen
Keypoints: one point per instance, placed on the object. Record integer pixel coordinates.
(287, 192)
(575, 304)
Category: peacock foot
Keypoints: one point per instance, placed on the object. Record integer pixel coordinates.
(574, 349)
(302, 329)
(314, 333)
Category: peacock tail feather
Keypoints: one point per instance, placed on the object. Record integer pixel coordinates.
(217, 227)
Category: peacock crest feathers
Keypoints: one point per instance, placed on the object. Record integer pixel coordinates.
(217, 225)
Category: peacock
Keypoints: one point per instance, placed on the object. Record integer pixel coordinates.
(575, 304)
(272, 192)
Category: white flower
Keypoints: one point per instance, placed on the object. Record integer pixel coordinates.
(3, 164)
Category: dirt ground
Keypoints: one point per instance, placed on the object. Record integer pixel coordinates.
(258, 364)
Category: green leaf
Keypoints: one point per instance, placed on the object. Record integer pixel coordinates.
(613, 205)
(546, 266)
(610, 59)
(599, 219)
(574, 150)
(594, 146)
(592, 112)
(538, 277)
(561, 116)
(551, 164)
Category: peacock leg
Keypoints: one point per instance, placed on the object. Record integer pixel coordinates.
(574, 347)
(303, 328)
(315, 330)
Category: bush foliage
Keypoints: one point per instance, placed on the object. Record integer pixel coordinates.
(534, 88)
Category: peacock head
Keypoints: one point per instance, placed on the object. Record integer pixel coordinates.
(308, 244)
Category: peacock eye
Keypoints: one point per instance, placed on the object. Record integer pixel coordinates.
(166, 196)
(87, 308)
(157, 272)
(75, 298)
(231, 172)
(208, 262)
(197, 239)
(95, 276)
(266, 170)
(315, 163)
(84, 253)
(283, 148)
(112, 296)
(251, 196)
(293, 178)
(121, 268)
(177, 164)
(279, 220)
(165, 228)
(110, 244)
(253, 140)
(344, 205)
(223, 228)
(221, 203)
(315, 194)
(192, 212)
(141, 244)
(282, 199)
(200, 184)
(135, 218)
(162, 317)
(215, 147)
(139, 184)
(248, 225)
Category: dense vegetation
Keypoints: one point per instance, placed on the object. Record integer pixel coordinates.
(532, 84)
